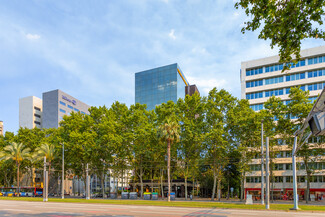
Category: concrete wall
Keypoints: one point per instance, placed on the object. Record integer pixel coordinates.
(52, 114)
(27, 112)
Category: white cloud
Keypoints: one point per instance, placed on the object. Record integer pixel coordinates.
(172, 34)
(33, 36)
(206, 84)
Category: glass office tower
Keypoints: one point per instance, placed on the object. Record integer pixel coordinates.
(159, 85)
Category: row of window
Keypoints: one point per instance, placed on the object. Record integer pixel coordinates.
(255, 83)
(317, 73)
(276, 92)
(280, 92)
(69, 106)
(287, 179)
(318, 86)
(316, 60)
(294, 77)
(288, 166)
(64, 111)
(37, 109)
(37, 115)
(280, 79)
(277, 67)
(255, 95)
(274, 80)
(257, 107)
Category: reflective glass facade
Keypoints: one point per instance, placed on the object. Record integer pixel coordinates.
(159, 85)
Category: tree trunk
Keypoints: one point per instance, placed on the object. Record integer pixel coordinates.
(214, 185)
(141, 182)
(162, 184)
(18, 179)
(122, 180)
(242, 183)
(152, 174)
(308, 187)
(228, 194)
(219, 189)
(168, 168)
(102, 184)
(185, 187)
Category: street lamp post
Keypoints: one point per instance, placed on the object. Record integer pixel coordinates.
(262, 164)
(62, 187)
(267, 199)
(45, 183)
(294, 175)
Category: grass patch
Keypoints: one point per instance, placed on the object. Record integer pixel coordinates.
(196, 204)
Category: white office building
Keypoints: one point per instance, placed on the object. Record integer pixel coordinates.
(263, 78)
(1, 128)
(30, 112)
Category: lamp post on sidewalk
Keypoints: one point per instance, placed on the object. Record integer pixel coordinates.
(267, 198)
(62, 187)
(262, 164)
(45, 183)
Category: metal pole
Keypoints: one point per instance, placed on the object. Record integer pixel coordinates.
(44, 182)
(267, 201)
(87, 184)
(62, 193)
(294, 175)
(262, 165)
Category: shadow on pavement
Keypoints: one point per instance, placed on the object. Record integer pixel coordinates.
(208, 213)
(54, 214)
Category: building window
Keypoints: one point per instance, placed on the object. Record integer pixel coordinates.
(301, 178)
(254, 71)
(83, 113)
(277, 92)
(274, 80)
(288, 166)
(63, 111)
(257, 107)
(256, 83)
(289, 179)
(294, 77)
(37, 122)
(318, 86)
(70, 107)
(278, 179)
(256, 95)
(36, 115)
(76, 109)
(62, 103)
(37, 109)
(316, 60)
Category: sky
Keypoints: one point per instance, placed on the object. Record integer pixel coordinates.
(91, 49)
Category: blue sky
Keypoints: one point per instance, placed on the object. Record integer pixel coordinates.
(91, 49)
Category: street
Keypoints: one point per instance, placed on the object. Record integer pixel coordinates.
(26, 209)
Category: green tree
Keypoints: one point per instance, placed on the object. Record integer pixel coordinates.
(191, 113)
(121, 148)
(48, 151)
(141, 125)
(217, 137)
(79, 142)
(15, 152)
(103, 126)
(299, 108)
(285, 23)
(169, 132)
